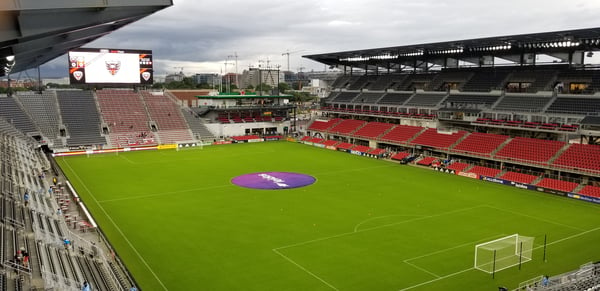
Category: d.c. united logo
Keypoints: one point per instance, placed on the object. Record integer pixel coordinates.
(113, 66)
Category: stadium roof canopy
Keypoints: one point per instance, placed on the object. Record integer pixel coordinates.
(568, 47)
(35, 32)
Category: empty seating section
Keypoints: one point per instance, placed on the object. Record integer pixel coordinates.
(329, 143)
(465, 100)
(523, 103)
(440, 81)
(340, 82)
(424, 99)
(394, 98)
(196, 125)
(426, 161)
(373, 130)
(485, 171)
(385, 81)
(590, 190)
(12, 112)
(368, 98)
(590, 78)
(539, 79)
(458, 166)
(362, 82)
(377, 152)
(580, 157)
(331, 97)
(413, 81)
(345, 146)
(81, 118)
(481, 144)
(530, 150)
(432, 138)
(518, 177)
(557, 184)
(320, 125)
(579, 105)
(401, 134)
(400, 156)
(485, 81)
(125, 114)
(43, 109)
(347, 126)
(165, 113)
(345, 97)
(362, 149)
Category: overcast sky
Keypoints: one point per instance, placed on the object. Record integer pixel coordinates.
(200, 35)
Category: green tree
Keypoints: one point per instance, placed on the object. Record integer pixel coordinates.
(283, 87)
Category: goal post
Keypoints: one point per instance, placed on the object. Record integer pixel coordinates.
(503, 253)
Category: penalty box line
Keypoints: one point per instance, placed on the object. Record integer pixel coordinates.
(377, 227)
(277, 250)
(408, 261)
(466, 270)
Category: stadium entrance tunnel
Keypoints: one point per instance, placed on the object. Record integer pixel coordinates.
(273, 180)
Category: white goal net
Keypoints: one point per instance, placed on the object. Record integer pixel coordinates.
(503, 253)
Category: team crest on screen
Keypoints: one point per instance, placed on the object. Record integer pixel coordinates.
(146, 75)
(113, 67)
(78, 75)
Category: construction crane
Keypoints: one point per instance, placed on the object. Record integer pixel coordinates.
(287, 53)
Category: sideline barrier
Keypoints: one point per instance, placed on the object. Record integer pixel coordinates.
(541, 189)
(82, 205)
(93, 152)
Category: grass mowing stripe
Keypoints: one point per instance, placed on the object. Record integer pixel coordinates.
(116, 226)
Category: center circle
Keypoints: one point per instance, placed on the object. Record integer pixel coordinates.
(273, 180)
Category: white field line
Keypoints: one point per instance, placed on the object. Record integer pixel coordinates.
(304, 269)
(127, 159)
(536, 218)
(466, 270)
(379, 217)
(456, 247)
(437, 279)
(118, 228)
(422, 269)
(377, 227)
(407, 261)
(164, 193)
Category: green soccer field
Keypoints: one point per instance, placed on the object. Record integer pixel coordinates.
(178, 222)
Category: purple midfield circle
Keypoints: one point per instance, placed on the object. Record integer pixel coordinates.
(273, 180)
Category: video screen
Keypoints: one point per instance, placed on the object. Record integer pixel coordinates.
(110, 66)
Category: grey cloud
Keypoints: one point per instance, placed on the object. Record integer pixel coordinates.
(208, 31)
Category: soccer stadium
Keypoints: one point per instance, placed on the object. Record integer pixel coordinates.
(461, 165)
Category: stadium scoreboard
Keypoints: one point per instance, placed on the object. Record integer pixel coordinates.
(110, 66)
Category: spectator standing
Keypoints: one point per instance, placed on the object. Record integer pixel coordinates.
(26, 198)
